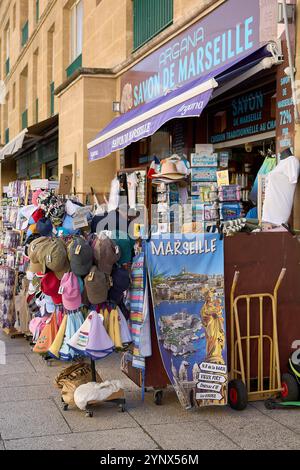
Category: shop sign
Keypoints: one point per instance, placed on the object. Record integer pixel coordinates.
(230, 32)
(246, 115)
(284, 103)
(187, 285)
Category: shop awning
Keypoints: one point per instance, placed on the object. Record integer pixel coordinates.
(14, 145)
(29, 137)
(186, 101)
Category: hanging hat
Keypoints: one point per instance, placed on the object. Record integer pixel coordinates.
(79, 340)
(80, 256)
(125, 243)
(28, 240)
(96, 285)
(44, 227)
(106, 254)
(53, 255)
(68, 225)
(72, 207)
(26, 213)
(57, 343)
(35, 196)
(99, 343)
(47, 336)
(74, 322)
(35, 265)
(50, 285)
(70, 288)
(36, 216)
(172, 168)
(121, 282)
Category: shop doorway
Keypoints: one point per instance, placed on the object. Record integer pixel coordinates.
(245, 162)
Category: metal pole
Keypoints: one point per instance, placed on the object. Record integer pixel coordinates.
(291, 62)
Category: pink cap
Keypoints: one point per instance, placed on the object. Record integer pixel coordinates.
(71, 295)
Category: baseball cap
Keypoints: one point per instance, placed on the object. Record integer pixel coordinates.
(96, 284)
(50, 285)
(35, 265)
(80, 256)
(53, 255)
(121, 282)
(36, 216)
(44, 227)
(106, 254)
(71, 296)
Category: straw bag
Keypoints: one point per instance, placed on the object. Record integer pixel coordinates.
(71, 377)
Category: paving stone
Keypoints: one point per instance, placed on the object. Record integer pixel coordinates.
(187, 436)
(16, 364)
(149, 413)
(119, 439)
(252, 429)
(28, 392)
(31, 418)
(289, 417)
(19, 380)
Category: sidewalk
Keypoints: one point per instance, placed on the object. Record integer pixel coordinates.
(31, 415)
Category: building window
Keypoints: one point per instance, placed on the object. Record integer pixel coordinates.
(76, 29)
(14, 95)
(149, 18)
(14, 16)
(25, 33)
(24, 98)
(7, 50)
(23, 22)
(37, 10)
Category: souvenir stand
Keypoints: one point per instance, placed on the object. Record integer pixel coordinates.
(72, 292)
(17, 196)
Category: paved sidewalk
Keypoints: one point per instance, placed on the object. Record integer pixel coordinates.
(31, 415)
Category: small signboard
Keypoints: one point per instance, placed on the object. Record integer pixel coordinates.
(65, 183)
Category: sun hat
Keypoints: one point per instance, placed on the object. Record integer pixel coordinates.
(80, 256)
(44, 227)
(106, 254)
(50, 285)
(70, 288)
(172, 168)
(74, 322)
(96, 284)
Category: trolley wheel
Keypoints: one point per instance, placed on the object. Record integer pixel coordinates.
(122, 408)
(270, 404)
(66, 407)
(237, 395)
(290, 388)
(89, 414)
(13, 336)
(158, 396)
(193, 398)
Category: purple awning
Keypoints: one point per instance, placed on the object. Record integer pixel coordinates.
(186, 101)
